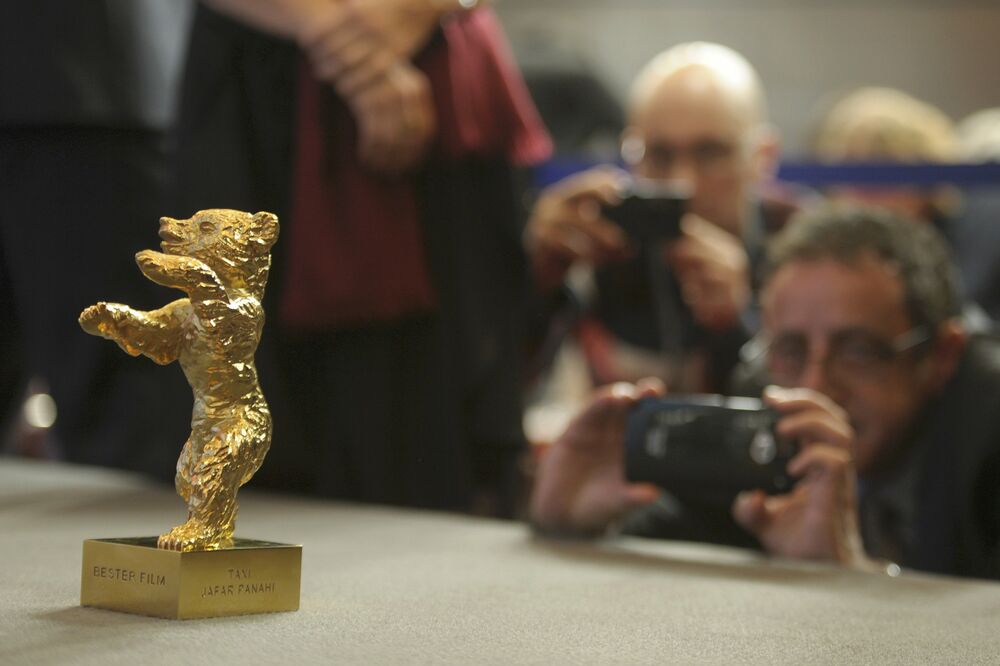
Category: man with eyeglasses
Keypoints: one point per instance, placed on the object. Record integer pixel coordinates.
(872, 371)
(696, 119)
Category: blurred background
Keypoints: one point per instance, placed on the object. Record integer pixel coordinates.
(78, 135)
(806, 51)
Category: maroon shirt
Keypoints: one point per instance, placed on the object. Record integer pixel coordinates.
(356, 251)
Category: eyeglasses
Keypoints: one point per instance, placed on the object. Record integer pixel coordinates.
(708, 156)
(851, 355)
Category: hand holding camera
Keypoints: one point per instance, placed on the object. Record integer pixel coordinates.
(583, 487)
(567, 225)
(580, 486)
(604, 215)
(600, 216)
(818, 518)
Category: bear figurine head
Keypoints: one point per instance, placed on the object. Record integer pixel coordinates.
(232, 243)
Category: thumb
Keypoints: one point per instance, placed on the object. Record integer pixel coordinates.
(640, 494)
(651, 387)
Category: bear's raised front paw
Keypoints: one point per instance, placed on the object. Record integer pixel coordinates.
(92, 318)
(194, 535)
(150, 261)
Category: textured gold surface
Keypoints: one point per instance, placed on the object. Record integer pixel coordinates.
(220, 259)
(134, 576)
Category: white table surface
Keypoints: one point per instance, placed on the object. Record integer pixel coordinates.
(393, 586)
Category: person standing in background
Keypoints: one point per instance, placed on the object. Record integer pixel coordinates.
(384, 134)
(86, 98)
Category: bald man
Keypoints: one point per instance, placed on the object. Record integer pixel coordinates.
(697, 117)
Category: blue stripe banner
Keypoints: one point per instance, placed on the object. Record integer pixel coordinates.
(822, 175)
(959, 175)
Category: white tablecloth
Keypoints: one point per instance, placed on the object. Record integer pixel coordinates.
(392, 586)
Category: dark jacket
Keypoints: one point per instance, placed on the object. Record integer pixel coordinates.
(957, 513)
(954, 502)
(96, 63)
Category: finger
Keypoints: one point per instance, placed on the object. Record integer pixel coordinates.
(361, 77)
(815, 425)
(585, 216)
(615, 398)
(332, 27)
(688, 258)
(604, 183)
(606, 235)
(820, 461)
(591, 241)
(636, 495)
(682, 255)
(788, 400)
(698, 228)
(751, 512)
(651, 387)
(618, 397)
(330, 64)
(692, 246)
(564, 244)
(318, 25)
(605, 413)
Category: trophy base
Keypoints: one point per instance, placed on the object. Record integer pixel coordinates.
(134, 576)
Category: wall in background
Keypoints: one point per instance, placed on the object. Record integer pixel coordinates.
(944, 51)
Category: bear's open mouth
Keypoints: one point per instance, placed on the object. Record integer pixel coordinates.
(169, 236)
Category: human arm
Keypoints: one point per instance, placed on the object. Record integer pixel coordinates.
(581, 487)
(566, 225)
(352, 43)
(282, 18)
(818, 518)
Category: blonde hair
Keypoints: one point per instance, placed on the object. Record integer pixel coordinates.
(885, 124)
(979, 136)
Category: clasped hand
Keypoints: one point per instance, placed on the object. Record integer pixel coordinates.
(363, 48)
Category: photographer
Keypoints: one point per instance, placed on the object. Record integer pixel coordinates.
(861, 325)
(697, 119)
(582, 489)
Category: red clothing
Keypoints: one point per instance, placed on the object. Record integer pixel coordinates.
(356, 251)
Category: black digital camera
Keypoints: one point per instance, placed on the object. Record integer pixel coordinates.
(707, 448)
(650, 211)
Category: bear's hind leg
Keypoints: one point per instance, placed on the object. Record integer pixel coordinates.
(185, 468)
(211, 484)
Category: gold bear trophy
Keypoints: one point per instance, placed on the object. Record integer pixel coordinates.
(220, 259)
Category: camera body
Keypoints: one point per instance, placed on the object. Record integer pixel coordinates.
(650, 211)
(707, 448)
